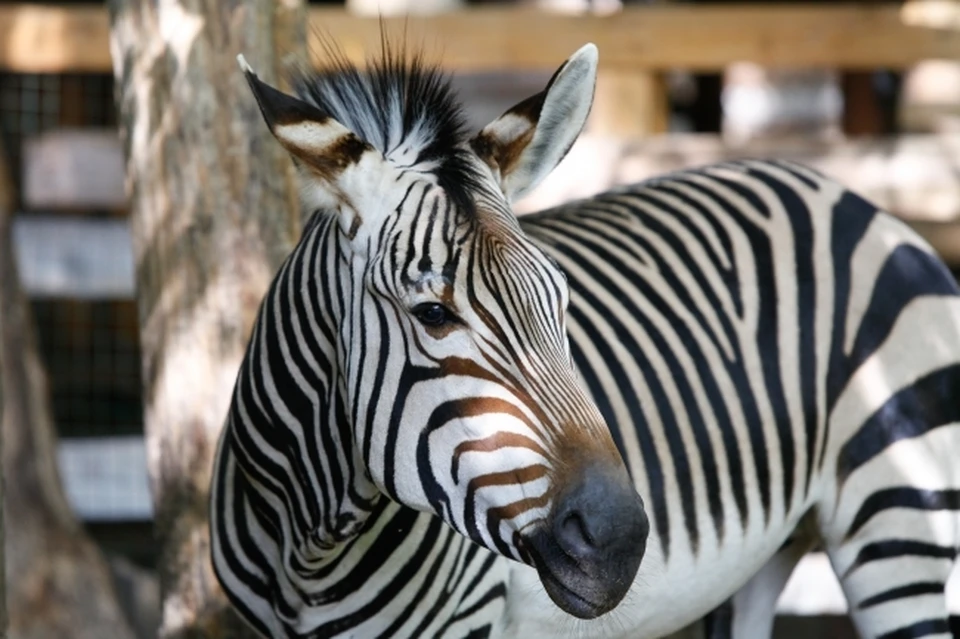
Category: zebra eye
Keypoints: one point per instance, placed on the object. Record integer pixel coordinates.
(432, 314)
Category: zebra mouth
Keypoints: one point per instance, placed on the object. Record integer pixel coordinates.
(547, 559)
(568, 600)
(588, 550)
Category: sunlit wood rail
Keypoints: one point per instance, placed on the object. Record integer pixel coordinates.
(52, 38)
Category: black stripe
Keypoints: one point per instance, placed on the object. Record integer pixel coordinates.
(903, 497)
(918, 630)
(851, 217)
(903, 592)
(908, 273)
(893, 548)
(767, 342)
(651, 461)
(806, 277)
(426, 583)
(231, 557)
(931, 402)
(497, 592)
(371, 563)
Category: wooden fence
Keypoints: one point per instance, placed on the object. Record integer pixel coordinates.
(50, 38)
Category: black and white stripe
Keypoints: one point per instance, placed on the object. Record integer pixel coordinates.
(779, 362)
(434, 388)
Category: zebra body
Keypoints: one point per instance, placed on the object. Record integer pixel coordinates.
(693, 298)
(429, 429)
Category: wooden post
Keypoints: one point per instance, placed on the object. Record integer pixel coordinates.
(214, 211)
(629, 102)
(863, 113)
(6, 205)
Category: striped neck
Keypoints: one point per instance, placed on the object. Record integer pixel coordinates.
(334, 555)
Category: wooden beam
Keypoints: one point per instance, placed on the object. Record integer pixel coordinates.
(657, 37)
(38, 38)
(912, 176)
(51, 38)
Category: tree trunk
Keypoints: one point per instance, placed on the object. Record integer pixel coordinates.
(58, 583)
(6, 206)
(215, 209)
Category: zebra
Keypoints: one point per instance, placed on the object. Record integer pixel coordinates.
(604, 419)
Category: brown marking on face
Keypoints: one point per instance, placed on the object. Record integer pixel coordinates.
(492, 443)
(465, 367)
(515, 509)
(509, 477)
(439, 332)
(354, 226)
(447, 298)
(580, 447)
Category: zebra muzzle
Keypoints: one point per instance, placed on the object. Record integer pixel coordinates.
(589, 550)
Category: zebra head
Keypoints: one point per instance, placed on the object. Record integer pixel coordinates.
(452, 351)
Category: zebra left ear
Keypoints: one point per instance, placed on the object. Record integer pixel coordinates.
(528, 141)
(320, 142)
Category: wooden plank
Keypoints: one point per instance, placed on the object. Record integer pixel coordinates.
(51, 38)
(660, 37)
(75, 258)
(68, 169)
(912, 176)
(105, 478)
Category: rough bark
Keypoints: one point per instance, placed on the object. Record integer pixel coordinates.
(214, 208)
(58, 583)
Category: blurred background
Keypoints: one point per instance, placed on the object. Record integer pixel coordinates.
(867, 92)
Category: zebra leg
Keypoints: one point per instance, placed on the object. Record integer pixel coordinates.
(750, 612)
(893, 548)
(905, 599)
(754, 606)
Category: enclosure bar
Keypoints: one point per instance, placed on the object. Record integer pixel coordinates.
(52, 38)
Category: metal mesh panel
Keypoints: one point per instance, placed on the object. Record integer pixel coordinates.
(88, 343)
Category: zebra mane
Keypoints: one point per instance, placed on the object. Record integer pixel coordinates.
(403, 107)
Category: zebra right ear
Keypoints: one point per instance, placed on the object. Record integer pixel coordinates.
(524, 144)
(321, 144)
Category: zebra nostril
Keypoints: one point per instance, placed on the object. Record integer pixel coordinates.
(574, 535)
(599, 521)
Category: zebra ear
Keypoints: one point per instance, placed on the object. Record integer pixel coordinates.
(319, 142)
(525, 144)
